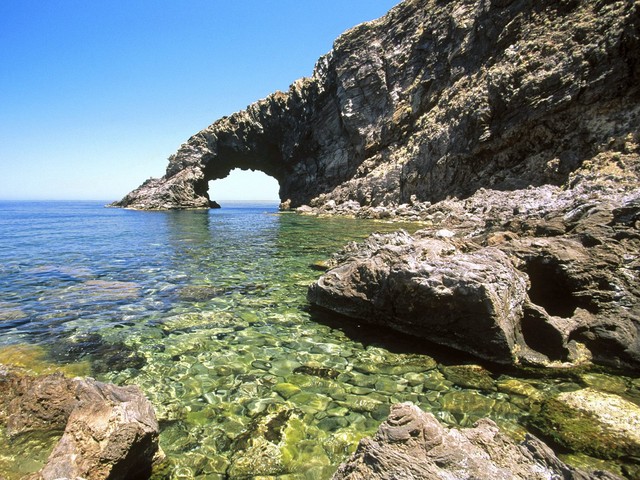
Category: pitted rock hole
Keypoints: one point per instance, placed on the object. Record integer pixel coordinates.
(541, 336)
(551, 288)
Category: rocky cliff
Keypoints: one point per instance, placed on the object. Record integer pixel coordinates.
(435, 99)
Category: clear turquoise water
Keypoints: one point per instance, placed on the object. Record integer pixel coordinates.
(206, 312)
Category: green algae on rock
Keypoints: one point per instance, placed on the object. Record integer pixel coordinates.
(469, 376)
(596, 423)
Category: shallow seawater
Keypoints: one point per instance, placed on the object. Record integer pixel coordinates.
(206, 312)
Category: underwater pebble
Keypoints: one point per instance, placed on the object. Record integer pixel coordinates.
(361, 390)
(518, 387)
(463, 401)
(414, 379)
(358, 403)
(261, 365)
(359, 379)
(385, 384)
(434, 380)
(310, 402)
(468, 376)
(604, 383)
(357, 421)
(337, 411)
(330, 424)
(283, 367)
(286, 390)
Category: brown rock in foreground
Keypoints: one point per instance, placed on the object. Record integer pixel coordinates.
(412, 444)
(108, 431)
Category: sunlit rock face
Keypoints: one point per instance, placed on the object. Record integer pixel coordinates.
(435, 99)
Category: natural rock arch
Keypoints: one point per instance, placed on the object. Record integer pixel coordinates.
(268, 137)
(433, 100)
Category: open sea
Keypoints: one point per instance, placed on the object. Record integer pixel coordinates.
(205, 311)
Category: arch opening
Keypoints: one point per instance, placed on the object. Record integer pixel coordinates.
(244, 185)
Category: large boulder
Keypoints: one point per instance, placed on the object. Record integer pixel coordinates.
(448, 292)
(107, 431)
(412, 444)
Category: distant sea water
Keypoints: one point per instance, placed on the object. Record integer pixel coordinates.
(206, 312)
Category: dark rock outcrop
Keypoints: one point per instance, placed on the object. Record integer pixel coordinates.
(107, 431)
(435, 99)
(412, 444)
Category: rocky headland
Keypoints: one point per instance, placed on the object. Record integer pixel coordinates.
(434, 100)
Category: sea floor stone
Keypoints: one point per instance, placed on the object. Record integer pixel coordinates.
(604, 383)
(11, 312)
(469, 376)
(601, 424)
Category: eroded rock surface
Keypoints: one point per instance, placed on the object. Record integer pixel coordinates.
(464, 297)
(435, 99)
(412, 444)
(107, 431)
(545, 275)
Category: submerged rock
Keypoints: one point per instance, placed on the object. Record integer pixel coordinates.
(107, 431)
(256, 451)
(412, 444)
(317, 371)
(10, 312)
(596, 423)
(199, 293)
(469, 376)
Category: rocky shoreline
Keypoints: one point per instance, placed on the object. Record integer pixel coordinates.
(103, 431)
(544, 276)
(412, 444)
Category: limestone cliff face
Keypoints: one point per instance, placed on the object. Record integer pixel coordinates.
(435, 99)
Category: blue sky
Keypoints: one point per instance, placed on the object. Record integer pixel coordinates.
(95, 95)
